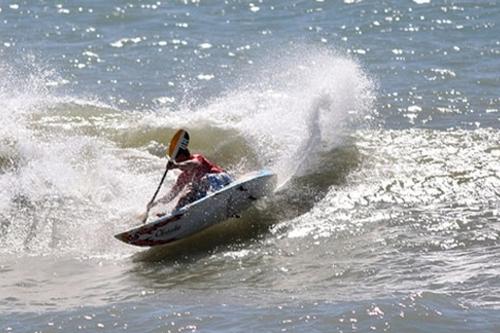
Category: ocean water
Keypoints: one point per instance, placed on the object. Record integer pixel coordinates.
(380, 118)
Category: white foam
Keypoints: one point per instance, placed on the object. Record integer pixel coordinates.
(59, 188)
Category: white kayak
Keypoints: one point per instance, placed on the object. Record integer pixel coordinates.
(203, 213)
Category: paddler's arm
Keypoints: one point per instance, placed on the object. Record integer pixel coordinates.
(176, 189)
(169, 196)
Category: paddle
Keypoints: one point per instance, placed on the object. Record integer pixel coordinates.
(180, 140)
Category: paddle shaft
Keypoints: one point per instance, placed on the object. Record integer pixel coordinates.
(156, 193)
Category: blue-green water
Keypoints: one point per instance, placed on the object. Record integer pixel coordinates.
(381, 119)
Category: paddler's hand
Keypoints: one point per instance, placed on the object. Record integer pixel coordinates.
(171, 165)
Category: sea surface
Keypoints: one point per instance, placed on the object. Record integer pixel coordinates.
(380, 118)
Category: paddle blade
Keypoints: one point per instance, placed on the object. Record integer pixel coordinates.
(180, 140)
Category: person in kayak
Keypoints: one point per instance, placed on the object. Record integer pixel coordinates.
(198, 177)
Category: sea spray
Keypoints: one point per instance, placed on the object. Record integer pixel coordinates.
(291, 106)
(57, 183)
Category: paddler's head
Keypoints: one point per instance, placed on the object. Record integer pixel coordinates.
(183, 155)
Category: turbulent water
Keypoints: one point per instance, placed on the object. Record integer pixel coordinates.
(380, 118)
